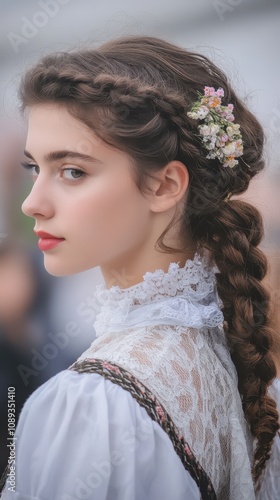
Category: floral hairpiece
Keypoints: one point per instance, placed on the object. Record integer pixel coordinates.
(220, 136)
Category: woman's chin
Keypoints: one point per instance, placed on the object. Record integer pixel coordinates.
(60, 269)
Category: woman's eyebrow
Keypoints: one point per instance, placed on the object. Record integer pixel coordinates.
(59, 155)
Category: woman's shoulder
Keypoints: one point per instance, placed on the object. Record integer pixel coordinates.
(68, 388)
(55, 383)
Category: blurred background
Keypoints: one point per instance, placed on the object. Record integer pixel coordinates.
(46, 322)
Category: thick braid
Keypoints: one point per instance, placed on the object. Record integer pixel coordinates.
(121, 95)
(107, 89)
(233, 234)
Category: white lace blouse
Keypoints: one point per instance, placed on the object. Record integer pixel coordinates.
(80, 436)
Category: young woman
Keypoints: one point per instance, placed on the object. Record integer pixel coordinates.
(136, 149)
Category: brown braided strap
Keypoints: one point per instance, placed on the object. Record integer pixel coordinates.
(155, 410)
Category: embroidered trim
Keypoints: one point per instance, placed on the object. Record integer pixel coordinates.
(156, 411)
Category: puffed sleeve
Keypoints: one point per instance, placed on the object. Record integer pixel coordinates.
(80, 436)
(270, 483)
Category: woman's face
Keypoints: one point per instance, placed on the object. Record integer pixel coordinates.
(92, 203)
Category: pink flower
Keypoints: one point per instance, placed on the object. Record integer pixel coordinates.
(214, 101)
(209, 91)
(220, 92)
(224, 138)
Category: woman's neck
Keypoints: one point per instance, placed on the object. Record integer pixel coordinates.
(130, 268)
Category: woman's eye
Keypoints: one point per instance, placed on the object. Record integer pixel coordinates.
(72, 173)
(31, 168)
(67, 173)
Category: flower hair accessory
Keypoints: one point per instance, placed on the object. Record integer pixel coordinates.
(220, 136)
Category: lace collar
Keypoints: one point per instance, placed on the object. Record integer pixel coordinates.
(184, 296)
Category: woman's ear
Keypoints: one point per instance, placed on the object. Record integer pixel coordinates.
(169, 186)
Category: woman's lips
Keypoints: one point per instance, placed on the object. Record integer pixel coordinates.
(49, 243)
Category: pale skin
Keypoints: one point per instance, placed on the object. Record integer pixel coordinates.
(105, 221)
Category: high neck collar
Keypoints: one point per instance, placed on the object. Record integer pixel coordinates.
(181, 296)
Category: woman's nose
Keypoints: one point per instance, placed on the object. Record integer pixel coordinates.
(38, 202)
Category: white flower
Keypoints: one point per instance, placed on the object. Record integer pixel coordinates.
(235, 126)
(214, 129)
(212, 143)
(192, 114)
(230, 163)
(230, 131)
(229, 149)
(204, 129)
(239, 147)
(202, 111)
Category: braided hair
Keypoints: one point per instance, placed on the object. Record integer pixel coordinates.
(134, 93)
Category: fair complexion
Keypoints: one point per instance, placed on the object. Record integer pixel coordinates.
(94, 205)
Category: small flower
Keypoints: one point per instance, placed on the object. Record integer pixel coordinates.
(230, 131)
(214, 129)
(229, 149)
(212, 143)
(213, 102)
(193, 114)
(225, 114)
(239, 147)
(204, 129)
(202, 112)
(210, 91)
(221, 140)
(219, 135)
(231, 162)
(230, 118)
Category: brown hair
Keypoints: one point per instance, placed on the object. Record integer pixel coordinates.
(135, 92)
